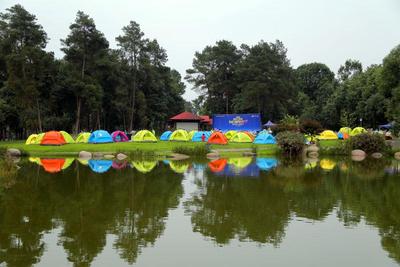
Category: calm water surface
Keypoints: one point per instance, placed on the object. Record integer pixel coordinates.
(227, 212)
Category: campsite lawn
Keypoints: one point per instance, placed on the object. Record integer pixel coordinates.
(159, 148)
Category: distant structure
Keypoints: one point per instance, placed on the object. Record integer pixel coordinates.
(189, 121)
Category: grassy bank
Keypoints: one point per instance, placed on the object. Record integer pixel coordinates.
(159, 148)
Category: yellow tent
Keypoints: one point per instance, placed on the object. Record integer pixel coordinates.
(179, 135)
(178, 167)
(83, 161)
(241, 137)
(327, 164)
(34, 160)
(346, 130)
(144, 166)
(32, 140)
(327, 135)
(357, 130)
(67, 137)
(82, 138)
(241, 162)
(68, 162)
(230, 134)
(144, 136)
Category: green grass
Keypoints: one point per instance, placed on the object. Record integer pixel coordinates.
(159, 148)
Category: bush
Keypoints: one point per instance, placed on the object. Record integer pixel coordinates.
(284, 127)
(310, 127)
(290, 142)
(192, 151)
(367, 142)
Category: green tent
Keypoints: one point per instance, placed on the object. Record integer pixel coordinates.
(144, 136)
(241, 137)
(179, 135)
(83, 138)
(357, 130)
(67, 137)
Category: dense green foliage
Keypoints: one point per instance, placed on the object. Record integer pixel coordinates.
(369, 143)
(260, 78)
(91, 87)
(290, 142)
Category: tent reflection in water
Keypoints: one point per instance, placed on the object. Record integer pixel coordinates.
(119, 165)
(144, 166)
(327, 164)
(179, 166)
(217, 165)
(56, 164)
(266, 164)
(100, 166)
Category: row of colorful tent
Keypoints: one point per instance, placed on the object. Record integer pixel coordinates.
(344, 133)
(218, 137)
(96, 137)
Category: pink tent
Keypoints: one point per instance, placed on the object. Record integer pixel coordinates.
(119, 136)
(119, 165)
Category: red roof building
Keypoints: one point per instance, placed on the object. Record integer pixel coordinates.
(189, 121)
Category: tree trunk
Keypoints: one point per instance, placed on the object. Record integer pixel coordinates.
(132, 111)
(78, 114)
(98, 120)
(38, 115)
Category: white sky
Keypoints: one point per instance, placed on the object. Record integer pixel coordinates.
(327, 31)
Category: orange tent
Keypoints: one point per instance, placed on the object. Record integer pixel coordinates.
(53, 138)
(217, 138)
(52, 165)
(217, 165)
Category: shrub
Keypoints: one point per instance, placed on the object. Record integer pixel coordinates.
(192, 151)
(367, 142)
(283, 127)
(310, 127)
(290, 142)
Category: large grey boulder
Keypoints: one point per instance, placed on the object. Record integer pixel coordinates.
(312, 148)
(97, 155)
(397, 155)
(109, 156)
(13, 152)
(85, 155)
(313, 154)
(213, 155)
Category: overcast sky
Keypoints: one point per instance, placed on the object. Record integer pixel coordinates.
(327, 31)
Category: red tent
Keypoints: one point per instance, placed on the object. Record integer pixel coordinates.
(53, 138)
(217, 138)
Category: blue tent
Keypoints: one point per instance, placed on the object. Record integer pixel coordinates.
(266, 164)
(100, 166)
(269, 124)
(264, 138)
(386, 126)
(197, 136)
(165, 136)
(100, 136)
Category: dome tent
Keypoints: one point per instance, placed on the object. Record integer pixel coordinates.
(100, 166)
(67, 137)
(191, 133)
(327, 135)
(266, 164)
(144, 166)
(217, 165)
(165, 136)
(33, 139)
(241, 137)
(119, 136)
(264, 138)
(56, 164)
(197, 137)
(53, 138)
(343, 136)
(179, 135)
(346, 130)
(230, 134)
(357, 130)
(144, 136)
(82, 138)
(217, 138)
(100, 136)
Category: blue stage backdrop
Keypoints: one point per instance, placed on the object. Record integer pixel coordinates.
(238, 122)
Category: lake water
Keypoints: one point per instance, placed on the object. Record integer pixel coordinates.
(227, 212)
